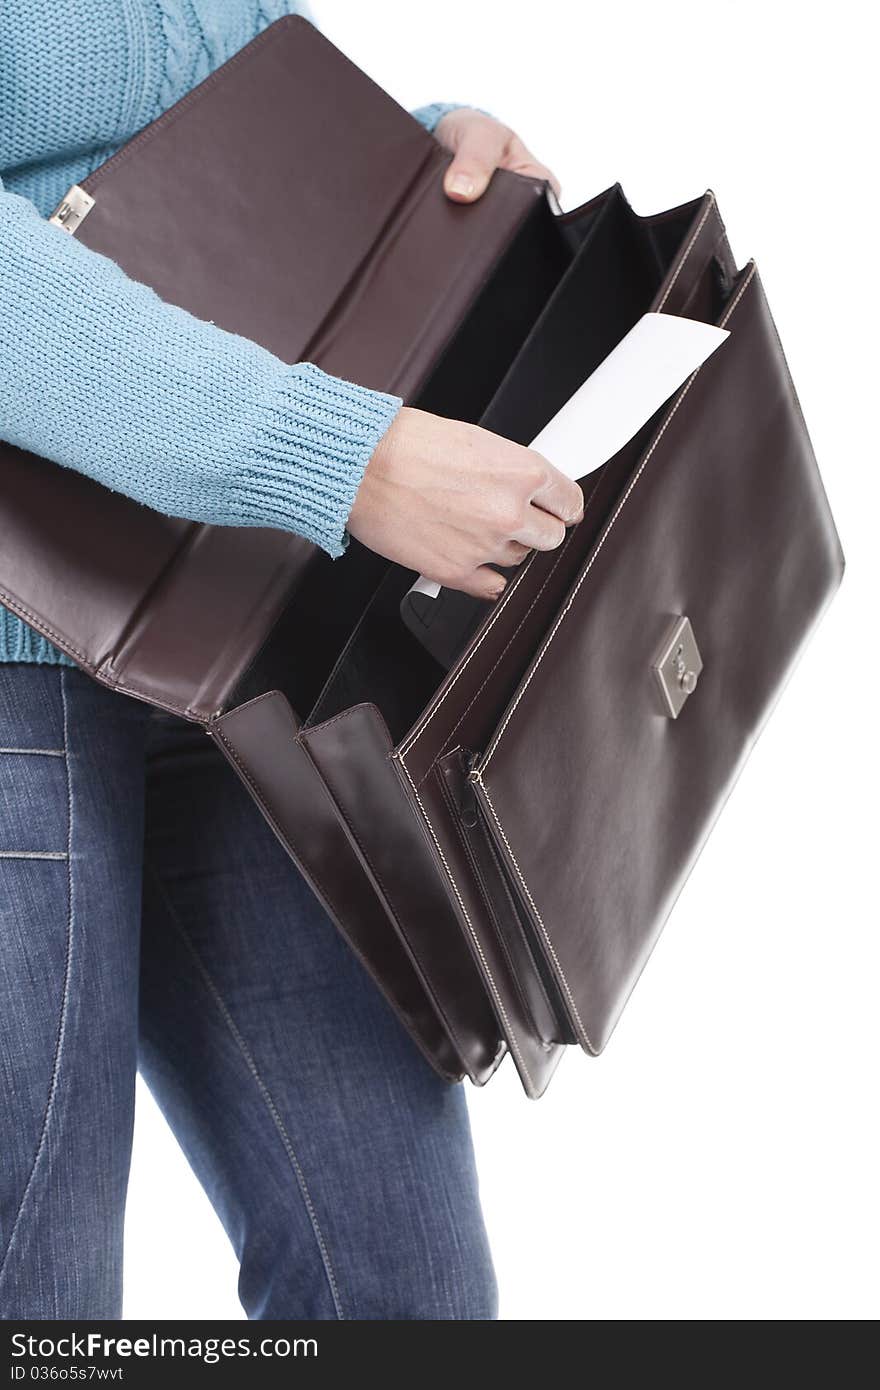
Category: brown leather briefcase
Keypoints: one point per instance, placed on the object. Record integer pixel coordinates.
(500, 833)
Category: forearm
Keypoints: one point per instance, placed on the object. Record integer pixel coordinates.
(98, 374)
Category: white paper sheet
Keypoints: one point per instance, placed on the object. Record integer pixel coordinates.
(648, 365)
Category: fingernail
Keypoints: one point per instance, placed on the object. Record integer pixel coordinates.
(496, 593)
(461, 183)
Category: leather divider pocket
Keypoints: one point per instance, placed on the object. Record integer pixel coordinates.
(464, 969)
(532, 1032)
(260, 741)
(353, 756)
(609, 284)
(537, 989)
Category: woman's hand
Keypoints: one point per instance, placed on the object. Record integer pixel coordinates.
(448, 499)
(481, 145)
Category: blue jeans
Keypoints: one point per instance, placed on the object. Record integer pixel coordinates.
(149, 918)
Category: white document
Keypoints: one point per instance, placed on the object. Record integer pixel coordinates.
(648, 365)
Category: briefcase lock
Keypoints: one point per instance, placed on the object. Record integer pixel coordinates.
(678, 667)
(73, 208)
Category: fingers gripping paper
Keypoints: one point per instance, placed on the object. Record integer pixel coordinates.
(646, 367)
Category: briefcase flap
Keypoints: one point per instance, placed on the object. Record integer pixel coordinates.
(222, 204)
(289, 199)
(260, 740)
(615, 753)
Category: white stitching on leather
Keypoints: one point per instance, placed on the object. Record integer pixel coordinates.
(688, 249)
(603, 538)
(420, 728)
(499, 1004)
(561, 552)
(35, 621)
(550, 947)
(481, 880)
(501, 655)
(499, 609)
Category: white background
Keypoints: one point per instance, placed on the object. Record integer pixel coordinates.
(721, 1159)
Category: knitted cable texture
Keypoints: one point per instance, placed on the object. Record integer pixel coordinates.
(148, 400)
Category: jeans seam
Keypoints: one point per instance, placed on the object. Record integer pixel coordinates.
(265, 1094)
(32, 854)
(36, 752)
(65, 1001)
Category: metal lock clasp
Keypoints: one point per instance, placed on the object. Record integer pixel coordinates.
(678, 666)
(73, 208)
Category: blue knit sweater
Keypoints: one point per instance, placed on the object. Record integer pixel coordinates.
(176, 413)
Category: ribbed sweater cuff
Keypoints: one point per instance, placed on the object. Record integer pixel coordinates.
(18, 642)
(431, 115)
(312, 443)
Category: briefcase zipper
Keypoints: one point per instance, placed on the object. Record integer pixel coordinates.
(504, 901)
(468, 807)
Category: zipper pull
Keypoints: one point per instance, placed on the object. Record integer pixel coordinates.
(468, 800)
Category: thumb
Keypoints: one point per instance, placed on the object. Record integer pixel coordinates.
(485, 583)
(475, 161)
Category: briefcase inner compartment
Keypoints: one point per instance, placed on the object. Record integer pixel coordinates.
(342, 641)
(611, 280)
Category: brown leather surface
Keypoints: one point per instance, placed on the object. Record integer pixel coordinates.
(501, 842)
(182, 647)
(300, 253)
(351, 753)
(597, 805)
(260, 741)
(186, 224)
(728, 525)
(76, 559)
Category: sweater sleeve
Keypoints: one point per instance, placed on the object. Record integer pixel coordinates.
(99, 374)
(431, 115)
